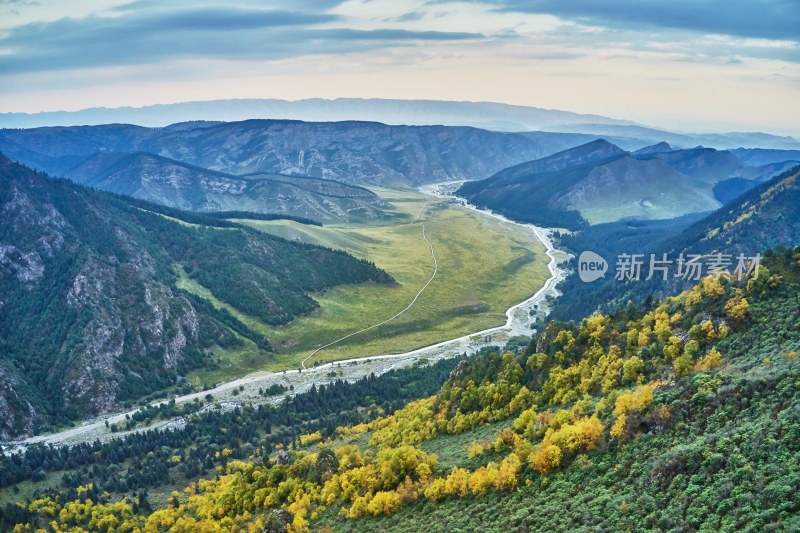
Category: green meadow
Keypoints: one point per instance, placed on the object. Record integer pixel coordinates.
(485, 266)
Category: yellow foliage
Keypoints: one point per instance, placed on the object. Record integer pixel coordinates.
(643, 340)
(474, 450)
(508, 473)
(310, 438)
(710, 361)
(712, 287)
(618, 428)
(547, 459)
(436, 490)
(634, 400)
(457, 483)
(708, 330)
(386, 503)
(632, 369)
(482, 479)
(682, 365)
(737, 307)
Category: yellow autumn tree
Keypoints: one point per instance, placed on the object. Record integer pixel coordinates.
(709, 361)
(547, 458)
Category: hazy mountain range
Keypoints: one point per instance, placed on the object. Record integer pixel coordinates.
(486, 115)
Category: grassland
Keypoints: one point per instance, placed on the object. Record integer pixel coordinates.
(485, 266)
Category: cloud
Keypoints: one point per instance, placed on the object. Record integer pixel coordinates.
(410, 16)
(136, 37)
(769, 19)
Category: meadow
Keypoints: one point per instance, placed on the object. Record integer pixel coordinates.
(485, 266)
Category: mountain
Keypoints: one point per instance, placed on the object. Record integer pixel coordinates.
(596, 182)
(657, 148)
(172, 183)
(759, 156)
(351, 152)
(713, 166)
(766, 216)
(90, 314)
(599, 182)
(648, 135)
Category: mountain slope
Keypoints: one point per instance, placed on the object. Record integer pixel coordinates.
(596, 182)
(175, 184)
(682, 416)
(713, 166)
(90, 315)
(601, 183)
(758, 156)
(767, 216)
(628, 187)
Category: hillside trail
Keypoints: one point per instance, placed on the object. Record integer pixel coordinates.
(379, 324)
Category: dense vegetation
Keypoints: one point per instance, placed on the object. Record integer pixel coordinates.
(91, 315)
(678, 416)
(217, 219)
(140, 462)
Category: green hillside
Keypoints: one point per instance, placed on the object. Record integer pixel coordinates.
(764, 216)
(680, 416)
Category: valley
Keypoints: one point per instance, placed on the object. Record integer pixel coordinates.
(466, 295)
(248, 389)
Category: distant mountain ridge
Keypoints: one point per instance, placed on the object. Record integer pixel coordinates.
(599, 182)
(175, 184)
(490, 115)
(485, 115)
(352, 152)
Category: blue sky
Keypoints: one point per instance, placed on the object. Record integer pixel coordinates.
(692, 65)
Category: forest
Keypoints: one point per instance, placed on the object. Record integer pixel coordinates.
(142, 461)
(680, 415)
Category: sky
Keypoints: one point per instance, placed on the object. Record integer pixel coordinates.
(690, 65)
